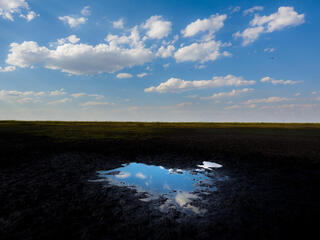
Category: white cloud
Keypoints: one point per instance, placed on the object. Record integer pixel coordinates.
(275, 82)
(58, 92)
(64, 100)
(30, 16)
(157, 28)
(8, 69)
(291, 106)
(14, 96)
(86, 11)
(203, 52)
(166, 52)
(297, 94)
(133, 40)
(94, 104)
(73, 21)
(252, 10)
(97, 96)
(267, 100)
(178, 85)
(249, 35)
(141, 75)
(118, 24)
(234, 92)
(124, 75)
(81, 94)
(78, 95)
(80, 58)
(284, 17)
(166, 65)
(141, 175)
(71, 39)
(8, 8)
(234, 9)
(123, 175)
(270, 50)
(211, 24)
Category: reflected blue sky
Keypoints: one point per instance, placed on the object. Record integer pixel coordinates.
(179, 187)
(154, 179)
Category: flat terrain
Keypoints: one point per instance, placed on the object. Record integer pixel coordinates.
(272, 191)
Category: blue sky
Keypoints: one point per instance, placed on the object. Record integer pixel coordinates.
(160, 60)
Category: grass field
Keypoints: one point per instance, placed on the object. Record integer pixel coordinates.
(289, 141)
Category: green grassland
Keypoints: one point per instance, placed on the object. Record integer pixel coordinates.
(298, 141)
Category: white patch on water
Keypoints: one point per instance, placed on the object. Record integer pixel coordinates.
(209, 165)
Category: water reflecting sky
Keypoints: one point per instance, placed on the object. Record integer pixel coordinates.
(179, 187)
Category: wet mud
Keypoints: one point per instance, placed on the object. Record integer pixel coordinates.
(52, 198)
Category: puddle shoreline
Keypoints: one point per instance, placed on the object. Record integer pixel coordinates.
(181, 189)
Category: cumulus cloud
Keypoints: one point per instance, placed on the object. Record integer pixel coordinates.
(60, 101)
(58, 92)
(284, 17)
(203, 52)
(81, 58)
(275, 82)
(267, 100)
(211, 24)
(71, 39)
(249, 35)
(157, 27)
(14, 96)
(9, 8)
(8, 69)
(118, 24)
(166, 52)
(252, 10)
(30, 16)
(73, 21)
(176, 85)
(234, 92)
(86, 11)
(78, 95)
(133, 40)
(124, 75)
(141, 75)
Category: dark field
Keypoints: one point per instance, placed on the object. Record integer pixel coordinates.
(272, 191)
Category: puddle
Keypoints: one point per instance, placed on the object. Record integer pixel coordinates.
(180, 189)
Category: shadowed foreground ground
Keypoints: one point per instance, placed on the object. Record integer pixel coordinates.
(273, 191)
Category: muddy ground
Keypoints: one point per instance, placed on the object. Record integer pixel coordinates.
(45, 193)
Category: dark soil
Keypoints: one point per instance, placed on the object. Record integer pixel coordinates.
(45, 192)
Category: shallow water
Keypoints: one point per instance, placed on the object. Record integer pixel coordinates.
(181, 189)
